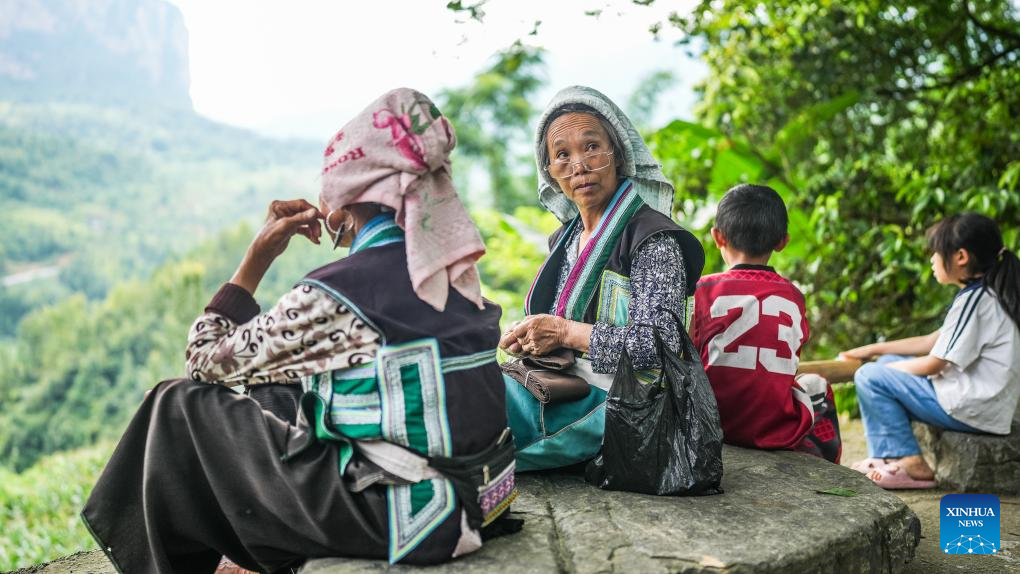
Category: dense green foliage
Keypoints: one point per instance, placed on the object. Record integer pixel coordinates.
(516, 244)
(39, 507)
(874, 119)
(492, 116)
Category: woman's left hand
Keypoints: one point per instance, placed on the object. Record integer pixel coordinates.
(284, 220)
(538, 334)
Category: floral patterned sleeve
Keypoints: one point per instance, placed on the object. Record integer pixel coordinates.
(306, 332)
(658, 282)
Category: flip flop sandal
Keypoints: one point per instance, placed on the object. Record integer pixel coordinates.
(869, 464)
(894, 478)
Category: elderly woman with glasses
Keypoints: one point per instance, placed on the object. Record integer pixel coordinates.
(619, 268)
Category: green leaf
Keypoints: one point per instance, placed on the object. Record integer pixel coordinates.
(805, 124)
(837, 491)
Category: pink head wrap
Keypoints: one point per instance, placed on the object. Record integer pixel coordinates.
(397, 153)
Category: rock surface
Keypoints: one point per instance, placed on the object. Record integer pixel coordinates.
(532, 550)
(771, 519)
(94, 562)
(973, 462)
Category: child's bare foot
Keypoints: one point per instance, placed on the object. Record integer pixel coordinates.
(914, 465)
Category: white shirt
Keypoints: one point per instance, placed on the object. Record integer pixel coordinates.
(981, 384)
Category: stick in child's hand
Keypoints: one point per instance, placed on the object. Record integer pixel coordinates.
(837, 371)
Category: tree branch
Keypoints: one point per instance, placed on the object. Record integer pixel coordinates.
(955, 79)
(988, 28)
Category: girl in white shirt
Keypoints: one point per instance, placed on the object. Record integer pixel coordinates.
(963, 377)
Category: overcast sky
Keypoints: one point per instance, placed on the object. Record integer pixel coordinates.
(303, 67)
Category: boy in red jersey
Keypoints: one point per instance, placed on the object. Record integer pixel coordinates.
(749, 326)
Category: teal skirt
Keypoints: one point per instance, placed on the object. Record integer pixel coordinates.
(551, 436)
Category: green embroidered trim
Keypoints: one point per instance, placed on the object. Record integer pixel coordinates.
(355, 408)
(614, 308)
(353, 399)
(368, 417)
(364, 401)
(381, 232)
(464, 362)
(531, 306)
(588, 281)
(649, 376)
(414, 415)
(316, 386)
(378, 238)
(614, 300)
(406, 382)
(358, 373)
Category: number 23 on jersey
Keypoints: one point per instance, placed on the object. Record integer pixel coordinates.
(751, 311)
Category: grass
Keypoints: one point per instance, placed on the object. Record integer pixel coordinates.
(39, 507)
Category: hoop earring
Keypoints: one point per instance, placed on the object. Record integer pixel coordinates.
(339, 232)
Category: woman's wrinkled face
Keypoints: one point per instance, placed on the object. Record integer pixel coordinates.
(571, 137)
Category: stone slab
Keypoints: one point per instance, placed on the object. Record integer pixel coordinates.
(970, 462)
(93, 562)
(770, 520)
(533, 550)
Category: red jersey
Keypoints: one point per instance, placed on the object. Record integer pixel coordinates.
(749, 325)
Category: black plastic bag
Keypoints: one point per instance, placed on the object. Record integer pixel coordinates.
(662, 438)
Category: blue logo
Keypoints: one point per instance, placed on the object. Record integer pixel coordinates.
(969, 524)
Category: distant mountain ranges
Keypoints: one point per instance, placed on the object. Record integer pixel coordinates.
(106, 170)
(94, 51)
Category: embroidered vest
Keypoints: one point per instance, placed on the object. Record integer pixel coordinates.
(599, 288)
(434, 385)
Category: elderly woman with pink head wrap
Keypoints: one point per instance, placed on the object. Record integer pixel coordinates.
(379, 426)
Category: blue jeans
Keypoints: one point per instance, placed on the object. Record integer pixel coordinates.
(889, 400)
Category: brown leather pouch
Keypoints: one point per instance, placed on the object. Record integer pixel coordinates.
(546, 378)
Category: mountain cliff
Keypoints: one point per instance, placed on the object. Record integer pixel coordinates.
(123, 52)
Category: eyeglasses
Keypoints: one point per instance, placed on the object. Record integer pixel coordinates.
(591, 162)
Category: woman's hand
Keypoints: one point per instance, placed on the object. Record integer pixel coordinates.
(535, 335)
(284, 220)
(508, 341)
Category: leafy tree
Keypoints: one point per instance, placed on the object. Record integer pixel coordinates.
(645, 98)
(516, 244)
(492, 116)
(873, 119)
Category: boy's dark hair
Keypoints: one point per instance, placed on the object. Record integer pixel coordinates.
(998, 267)
(753, 218)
